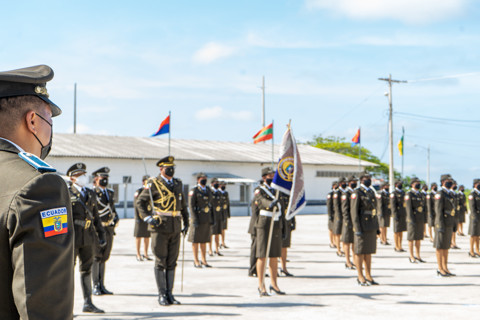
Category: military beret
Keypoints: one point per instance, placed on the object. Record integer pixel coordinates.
(145, 177)
(365, 175)
(77, 168)
(434, 184)
(476, 181)
(444, 177)
(352, 178)
(398, 181)
(334, 182)
(103, 171)
(201, 175)
(29, 81)
(461, 186)
(342, 179)
(223, 183)
(214, 180)
(414, 180)
(166, 162)
(266, 171)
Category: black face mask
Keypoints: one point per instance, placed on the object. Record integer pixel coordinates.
(45, 148)
(268, 181)
(448, 185)
(367, 182)
(170, 171)
(203, 182)
(416, 186)
(216, 185)
(223, 188)
(435, 189)
(343, 185)
(461, 190)
(478, 187)
(400, 186)
(353, 185)
(103, 182)
(455, 188)
(386, 189)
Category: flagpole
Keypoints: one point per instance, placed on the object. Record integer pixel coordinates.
(169, 130)
(359, 150)
(403, 147)
(273, 145)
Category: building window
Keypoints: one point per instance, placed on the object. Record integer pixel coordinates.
(244, 193)
(336, 174)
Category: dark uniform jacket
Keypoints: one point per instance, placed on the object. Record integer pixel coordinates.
(138, 219)
(106, 207)
(87, 224)
(461, 203)
(330, 211)
(445, 205)
(337, 206)
(383, 204)
(345, 204)
(225, 204)
(415, 207)
(262, 201)
(431, 206)
(474, 203)
(36, 241)
(397, 204)
(363, 210)
(200, 205)
(170, 204)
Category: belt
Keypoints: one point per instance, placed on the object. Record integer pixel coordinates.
(266, 213)
(107, 223)
(167, 213)
(450, 213)
(83, 223)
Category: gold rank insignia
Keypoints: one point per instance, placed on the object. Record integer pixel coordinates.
(224, 206)
(42, 91)
(453, 212)
(207, 209)
(218, 208)
(374, 212)
(420, 209)
(458, 207)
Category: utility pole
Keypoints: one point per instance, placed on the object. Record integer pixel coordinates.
(428, 161)
(75, 108)
(390, 127)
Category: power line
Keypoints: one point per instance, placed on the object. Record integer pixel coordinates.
(436, 118)
(470, 74)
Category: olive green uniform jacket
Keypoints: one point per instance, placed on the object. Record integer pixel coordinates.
(36, 263)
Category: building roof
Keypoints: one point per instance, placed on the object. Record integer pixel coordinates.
(121, 147)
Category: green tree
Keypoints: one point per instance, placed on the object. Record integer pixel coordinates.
(339, 145)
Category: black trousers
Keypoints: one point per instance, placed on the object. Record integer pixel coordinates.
(85, 256)
(165, 247)
(103, 254)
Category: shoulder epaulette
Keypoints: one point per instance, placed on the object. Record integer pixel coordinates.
(36, 162)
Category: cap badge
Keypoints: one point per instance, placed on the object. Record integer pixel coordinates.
(41, 90)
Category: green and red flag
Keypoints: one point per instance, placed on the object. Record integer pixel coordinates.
(266, 133)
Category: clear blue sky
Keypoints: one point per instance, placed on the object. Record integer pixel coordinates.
(204, 61)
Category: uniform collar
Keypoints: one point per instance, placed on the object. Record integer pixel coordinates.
(364, 187)
(6, 147)
(349, 188)
(476, 191)
(166, 180)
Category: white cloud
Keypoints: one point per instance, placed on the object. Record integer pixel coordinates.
(217, 112)
(211, 52)
(407, 11)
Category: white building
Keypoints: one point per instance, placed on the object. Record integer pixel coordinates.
(238, 163)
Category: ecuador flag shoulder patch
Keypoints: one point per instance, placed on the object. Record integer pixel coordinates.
(54, 221)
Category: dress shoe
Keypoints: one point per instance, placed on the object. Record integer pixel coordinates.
(399, 250)
(412, 260)
(210, 253)
(340, 254)
(477, 254)
(263, 293)
(146, 258)
(97, 291)
(224, 246)
(163, 300)
(104, 290)
(171, 299)
(285, 273)
(451, 274)
(439, 274)
(371, 282)
(280, 292)
(197, 265)
(90, 307)
(218, 253)
(349, 267)
(455, 247)
(206, 265)
(362, 284)
(420, 260)
(333, 246)
(139, 258)
(254, 275)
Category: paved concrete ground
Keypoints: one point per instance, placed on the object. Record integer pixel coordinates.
(321, 288)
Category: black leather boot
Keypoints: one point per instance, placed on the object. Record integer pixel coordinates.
(161, 277)
(101, 273)
(170, 280)
(97, 290)
(86, 283)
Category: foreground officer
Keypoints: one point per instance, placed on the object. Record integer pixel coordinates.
(461, 209)
(217, 210)
(365, 226)
(415, 207)
(199, 203)
(347, 228)
(431, 209)
(164, 217)
(87, 229)
(338, 216)
(36, 233)
(141, 227)
(445, 205)
(331, 214)
(109, 217)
